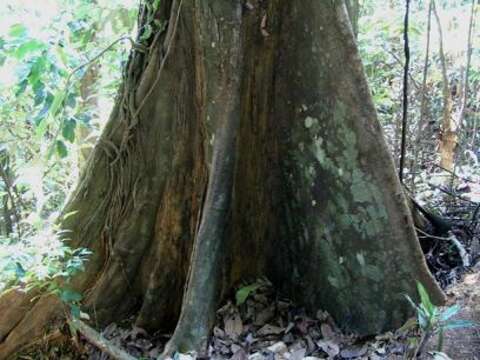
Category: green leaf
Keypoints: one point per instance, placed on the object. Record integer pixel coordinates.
(62, 55)
(425, 299)
(449, 312)
(57, 102)
(458, 324)
(155, 5)
(43, 111)
(244, 292)
(39, 93)
(68, 129)
(84, 118)
(22, 86)
(19, 270)
(37, 70)
(75, 311)
(424, 321)
(71, 100)
(23, 71)
(70, 296)
(411, 302)
(17, 30)
(28, 47)
(61, 148)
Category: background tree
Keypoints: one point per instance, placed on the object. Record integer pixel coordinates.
(40, 46)
(448, 137)
(380, 44)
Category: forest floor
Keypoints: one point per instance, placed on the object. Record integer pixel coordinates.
(264, 326)
(464, 343)
(258, 324)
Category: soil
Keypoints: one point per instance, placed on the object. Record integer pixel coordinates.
(463, 343)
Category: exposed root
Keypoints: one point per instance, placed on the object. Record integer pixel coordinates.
(204, 283)
(99, 341)
(14, 303)
(31, 323)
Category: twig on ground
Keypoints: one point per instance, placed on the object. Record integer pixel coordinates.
(99, 341)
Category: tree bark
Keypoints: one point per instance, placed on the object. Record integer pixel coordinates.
(244, 142)
(423, 102)
(11, 200)
(353, 8)
(448, 140)
(465, 88)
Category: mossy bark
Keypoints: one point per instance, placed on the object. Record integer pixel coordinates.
(243, 143)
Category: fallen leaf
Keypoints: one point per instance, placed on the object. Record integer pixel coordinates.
(290, 326)
(264, 316)
(322, 315)
(439, 355)
(298, 354)
(302, 325)
(256, 356)
(180, 356)
(353, 351)
(310, 343)
(278, 348)
(217, 332)
(269, 330)
(250, 339)
(240, 354)
(327, 331)
(234, 326)
(329, 347)
(234, 348)
(154, 353)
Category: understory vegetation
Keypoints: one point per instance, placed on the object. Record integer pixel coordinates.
(61, 64)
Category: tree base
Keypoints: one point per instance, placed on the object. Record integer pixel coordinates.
(243, 143)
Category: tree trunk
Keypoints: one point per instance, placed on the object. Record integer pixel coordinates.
(448, 140)
(423, 102)
(243, 143)
(468, 62)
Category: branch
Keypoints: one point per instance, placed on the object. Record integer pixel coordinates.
(456, 175)
(9, 187)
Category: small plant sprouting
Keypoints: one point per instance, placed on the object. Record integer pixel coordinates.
(433, 320)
